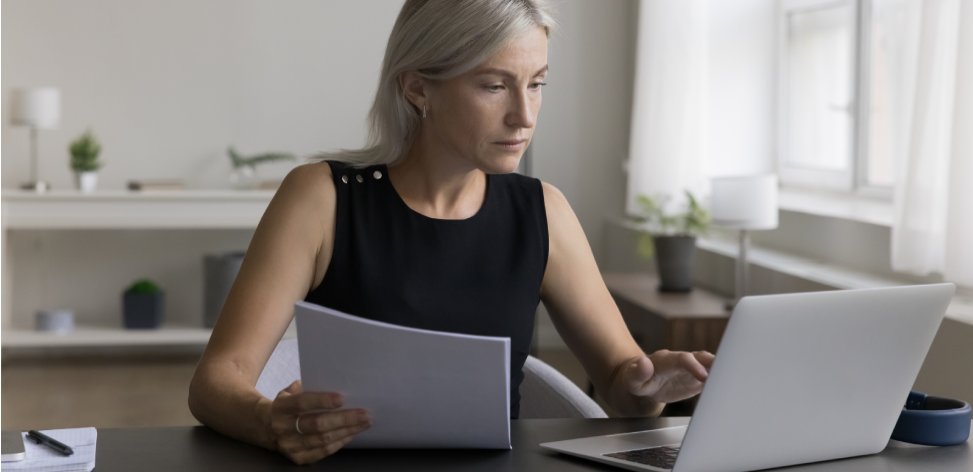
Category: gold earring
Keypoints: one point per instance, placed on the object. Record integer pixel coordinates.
(423, 110)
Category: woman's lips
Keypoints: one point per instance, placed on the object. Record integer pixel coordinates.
(512, 145)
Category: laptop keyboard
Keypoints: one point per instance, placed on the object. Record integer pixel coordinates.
(662, 457)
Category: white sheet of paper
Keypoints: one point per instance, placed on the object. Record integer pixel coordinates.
(423, 389)
(41, 458)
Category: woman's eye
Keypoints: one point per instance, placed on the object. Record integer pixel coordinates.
(494, 87)
(537, 85)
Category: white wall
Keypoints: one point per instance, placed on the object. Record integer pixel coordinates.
(167, 86)
(582, 136)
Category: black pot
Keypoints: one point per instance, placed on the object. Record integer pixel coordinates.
(674, 259)
(143, 310)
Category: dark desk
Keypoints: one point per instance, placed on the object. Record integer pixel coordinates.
(189, 449)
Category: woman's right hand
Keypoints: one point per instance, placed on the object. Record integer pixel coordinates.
(309, 426)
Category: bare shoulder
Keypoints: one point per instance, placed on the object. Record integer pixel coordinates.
(306, 188)
(556, 206)
(307, 181)
(554, 199)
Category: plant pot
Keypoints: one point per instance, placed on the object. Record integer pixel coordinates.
(674, 259)
(87, 182)
(143, 310)
(219, 272)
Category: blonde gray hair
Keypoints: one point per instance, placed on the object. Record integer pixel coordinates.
(438, 39)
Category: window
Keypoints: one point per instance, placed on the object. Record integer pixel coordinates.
(838, 62)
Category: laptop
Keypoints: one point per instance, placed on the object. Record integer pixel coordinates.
(798, 378)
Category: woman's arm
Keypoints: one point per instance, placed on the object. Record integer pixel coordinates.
(588, 320)
(289, 253)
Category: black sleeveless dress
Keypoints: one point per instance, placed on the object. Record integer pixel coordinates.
(481, 275)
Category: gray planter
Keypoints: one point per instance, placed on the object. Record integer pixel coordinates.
(143, 310)
(674, 259)
(219, 272)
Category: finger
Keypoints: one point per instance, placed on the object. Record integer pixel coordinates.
(706, 358)
(308, 456)
(336, 446)
(302, 447)
(308, 401)
(293, 388)
(288, 413)
(689, 362)
(329, 421)
(316, 441)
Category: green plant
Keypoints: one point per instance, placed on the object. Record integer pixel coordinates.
(143, 286)
(84, 153)
(239, 160)
(694, 221)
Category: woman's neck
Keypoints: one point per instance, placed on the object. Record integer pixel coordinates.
(438, 186)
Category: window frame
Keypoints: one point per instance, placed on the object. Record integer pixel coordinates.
(854, 180)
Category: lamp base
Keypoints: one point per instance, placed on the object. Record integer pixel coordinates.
(38, 186)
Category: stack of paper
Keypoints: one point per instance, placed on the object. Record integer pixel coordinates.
(40, 458)
(424, 389)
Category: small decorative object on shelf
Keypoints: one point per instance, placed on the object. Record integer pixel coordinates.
(671, 239)
(244, 175)
(143, 305)
(60, 321)
(156, 184)
(219, 272)
(37, 108)
(84, 161)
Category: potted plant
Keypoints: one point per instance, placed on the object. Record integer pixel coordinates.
(671, 239)
(84, 161)
(244, 175)
(143, 305)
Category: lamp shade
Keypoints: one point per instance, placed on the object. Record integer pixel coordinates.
(745, 202)
(38, 107)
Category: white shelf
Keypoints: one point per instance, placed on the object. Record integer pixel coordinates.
(85, 336)
(111, 337)
(182, 209)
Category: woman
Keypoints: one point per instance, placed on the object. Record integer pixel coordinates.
(428, 227)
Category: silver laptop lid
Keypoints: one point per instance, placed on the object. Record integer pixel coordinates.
(811, 376)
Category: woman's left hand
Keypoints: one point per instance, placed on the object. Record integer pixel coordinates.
(668, 376)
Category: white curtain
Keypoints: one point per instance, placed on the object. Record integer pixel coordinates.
(933, 229)
(669, 115)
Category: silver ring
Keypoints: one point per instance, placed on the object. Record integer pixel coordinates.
(297, 425)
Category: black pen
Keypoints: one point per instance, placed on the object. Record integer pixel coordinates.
(41, 438)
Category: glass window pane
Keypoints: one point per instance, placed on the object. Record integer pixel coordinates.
(820, 96)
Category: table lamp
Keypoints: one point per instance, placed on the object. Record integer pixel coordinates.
(37, 108)
(745, 203)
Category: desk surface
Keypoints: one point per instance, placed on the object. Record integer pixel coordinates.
(199, 449)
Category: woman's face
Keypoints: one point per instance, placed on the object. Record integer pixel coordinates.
(487, 116)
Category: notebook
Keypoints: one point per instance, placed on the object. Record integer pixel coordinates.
(39, 458)
(798, 378)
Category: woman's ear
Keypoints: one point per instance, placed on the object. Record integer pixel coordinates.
(414, 86)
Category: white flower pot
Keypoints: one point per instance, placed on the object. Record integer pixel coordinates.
(87, 182)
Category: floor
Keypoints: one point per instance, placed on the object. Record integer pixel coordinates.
(123, 391)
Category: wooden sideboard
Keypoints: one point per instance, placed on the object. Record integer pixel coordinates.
(692, 321)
